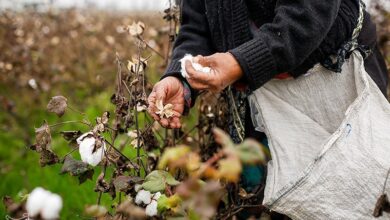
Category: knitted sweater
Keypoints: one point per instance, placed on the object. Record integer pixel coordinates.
(292, 36)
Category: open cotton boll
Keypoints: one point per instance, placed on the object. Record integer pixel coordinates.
(144, 197)
(35, 201)
(197, 66)
(53, 206)
(151, 209)
(86, 149)
(156, 196)
(44, 203)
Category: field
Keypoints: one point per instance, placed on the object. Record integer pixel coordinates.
(75, 53)
(70, 53)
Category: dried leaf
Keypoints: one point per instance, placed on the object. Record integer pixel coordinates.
(71, 136)
(131, 211)
(96, 211)
(42, 137)
(381, 205)
(48, 157)
(13, 208)
(126, 183)
(136, 65)
(57, 105)
(77, 168)
(73, 167)
(87, 175)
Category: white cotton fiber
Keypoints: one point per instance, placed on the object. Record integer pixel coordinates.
(52, 208)
(44, 203)
(86, 146)
(196, 66)
(151, 209)
(143, 196)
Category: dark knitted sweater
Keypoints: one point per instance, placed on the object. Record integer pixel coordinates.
(292, 36)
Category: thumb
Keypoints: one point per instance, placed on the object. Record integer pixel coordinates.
(161, 93)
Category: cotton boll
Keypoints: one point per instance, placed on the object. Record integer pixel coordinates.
(143, 196)
(156, 196)
(44, 203)
(36, 201)
(52, 208)
(97, 156)
(151, 209)
(86, 146)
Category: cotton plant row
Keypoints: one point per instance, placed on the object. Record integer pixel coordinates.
(166, 178)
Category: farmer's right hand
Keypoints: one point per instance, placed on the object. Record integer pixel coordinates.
(171, 91)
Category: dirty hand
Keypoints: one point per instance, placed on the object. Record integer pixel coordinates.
(225, 70)
(169, 90)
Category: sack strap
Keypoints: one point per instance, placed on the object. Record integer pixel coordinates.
(335, 63)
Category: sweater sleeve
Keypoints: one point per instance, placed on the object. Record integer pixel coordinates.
(193, 38)
(297, 30)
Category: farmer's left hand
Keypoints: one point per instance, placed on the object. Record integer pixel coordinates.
(225, 70)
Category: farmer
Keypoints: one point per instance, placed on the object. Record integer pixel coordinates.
(246, 43)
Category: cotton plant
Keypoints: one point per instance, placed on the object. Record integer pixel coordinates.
(89, 148)
(149, 199)
(43, 203)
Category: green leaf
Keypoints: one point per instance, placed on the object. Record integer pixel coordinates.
(171, 155)
(250, 152)
(158, 180)
(165, 203)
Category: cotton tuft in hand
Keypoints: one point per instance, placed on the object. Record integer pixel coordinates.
(197, 66)
(44, 203)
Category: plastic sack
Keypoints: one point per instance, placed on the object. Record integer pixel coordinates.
(329, 136)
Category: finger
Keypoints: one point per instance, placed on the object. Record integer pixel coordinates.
(189, 68)
(164, 122)
(205, 61)
(160, 93)
(175, 122)
(197, 58)
(196, 75)
(152, 106)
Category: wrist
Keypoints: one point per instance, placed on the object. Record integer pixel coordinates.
(235, 67)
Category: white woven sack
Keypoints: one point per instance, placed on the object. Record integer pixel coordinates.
(329, 135)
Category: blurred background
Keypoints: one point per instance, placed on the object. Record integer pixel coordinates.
(68, 47)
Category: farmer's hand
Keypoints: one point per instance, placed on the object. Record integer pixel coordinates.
(171, 91)
(225, 70)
